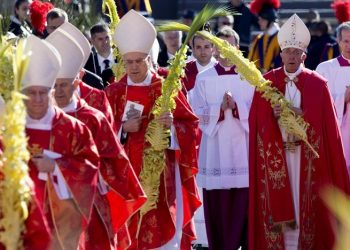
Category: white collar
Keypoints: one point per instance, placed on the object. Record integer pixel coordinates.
(273, 29)
(72, 106)
(44, 123)
(201, 68)
(145, 82)
(101, 59)
(291, 76)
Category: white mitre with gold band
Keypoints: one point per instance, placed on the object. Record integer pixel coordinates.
(79, 37)
(71, 53)
(294, 34)
(134, 33)
(44, 63)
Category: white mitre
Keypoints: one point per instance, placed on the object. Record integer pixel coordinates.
(294, 34)
(44, 63)
(71, 53)
(134, 33)
(79, 37)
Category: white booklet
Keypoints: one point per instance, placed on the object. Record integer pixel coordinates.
(56, 176)
(132, 107)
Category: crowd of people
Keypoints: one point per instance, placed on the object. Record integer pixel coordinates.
(233, 177)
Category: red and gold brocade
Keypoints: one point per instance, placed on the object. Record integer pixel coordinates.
(97, 99)
(158, 225)
(125, 194)
(79, 165)
(270, 200)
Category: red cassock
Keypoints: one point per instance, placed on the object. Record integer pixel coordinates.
(270, 200)
(97, 99)
(125, 195)
(68, 218)
(191, 73)
(158, 225)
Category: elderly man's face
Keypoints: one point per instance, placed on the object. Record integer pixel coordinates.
(137, 65)
(37, 102)
(292, 58)
(64, 90)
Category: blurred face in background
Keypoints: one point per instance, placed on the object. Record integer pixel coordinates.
(172, 40)
(263, 23)
(22, 12)
(225, 21)
(224, 62)
(202, 50)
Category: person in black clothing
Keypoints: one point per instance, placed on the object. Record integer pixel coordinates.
(321, 36)
(243, 24)
(20, 25)
(101, 57)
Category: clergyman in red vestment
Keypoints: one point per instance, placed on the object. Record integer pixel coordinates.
(286, 178)
(64, 158)
(37, 234)
(119, 192)
(170, 224)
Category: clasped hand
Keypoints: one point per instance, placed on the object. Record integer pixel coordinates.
(43, 163)
(228, 102)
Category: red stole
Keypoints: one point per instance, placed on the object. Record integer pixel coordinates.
(158, 225)
(37, 142)
(270, 203)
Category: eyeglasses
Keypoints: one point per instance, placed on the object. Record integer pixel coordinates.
(138, 61)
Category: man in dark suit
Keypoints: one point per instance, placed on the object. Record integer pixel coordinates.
(101, 57)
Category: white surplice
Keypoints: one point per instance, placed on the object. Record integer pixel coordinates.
(223, 155)
(338, 78)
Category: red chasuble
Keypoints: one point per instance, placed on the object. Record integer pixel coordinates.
(158, 226)
(125, 194)
(79, 163)
(270, 198)
(97, 99)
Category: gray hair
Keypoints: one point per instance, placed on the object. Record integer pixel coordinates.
(57, 13)
(341, 27)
